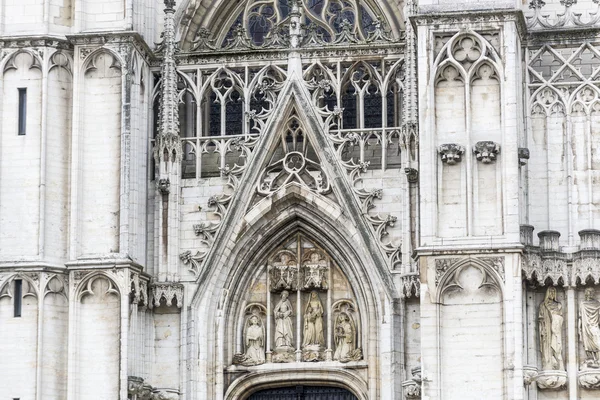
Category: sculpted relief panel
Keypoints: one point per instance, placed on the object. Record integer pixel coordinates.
(301, 309)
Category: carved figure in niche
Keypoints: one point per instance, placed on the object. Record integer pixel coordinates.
(313, 323)
(284, 273)
(345, 339)
(551, 329)
(315, 271)
(254, 341)
(589, 328)
(284, 332)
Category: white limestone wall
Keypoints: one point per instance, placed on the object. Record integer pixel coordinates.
(98, 343)
(412, 336)
(167, 347)
(57, 158)
(22, 16)
(20, 159)
(137, 164)
(18, 346)
(54, 341)
(471, 344)
(100, 157)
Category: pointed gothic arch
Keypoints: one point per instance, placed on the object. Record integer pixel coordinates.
(291, 210)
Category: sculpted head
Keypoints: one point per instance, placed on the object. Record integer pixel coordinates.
(254, 320)
(284, 295)
(589, 294)
(551, 293)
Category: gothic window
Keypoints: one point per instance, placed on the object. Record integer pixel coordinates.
(260, 23)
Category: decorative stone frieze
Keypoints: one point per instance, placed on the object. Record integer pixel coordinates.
(586, 267)
(486, 151)
(169, 291)
(451, 153)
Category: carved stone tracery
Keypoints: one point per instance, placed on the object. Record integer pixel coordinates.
(168, 291)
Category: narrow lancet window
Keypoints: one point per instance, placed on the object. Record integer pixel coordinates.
(22, 110)
(18, 296)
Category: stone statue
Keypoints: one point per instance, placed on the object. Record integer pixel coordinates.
(255, 341)
(551, 328)
(313, 322)
(345, 338)
(589, 328)
(284, 331)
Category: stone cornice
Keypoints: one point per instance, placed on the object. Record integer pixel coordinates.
(262, 55)
(459, 19)
(17, 42)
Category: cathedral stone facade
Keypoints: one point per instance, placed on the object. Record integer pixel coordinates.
(299, 199)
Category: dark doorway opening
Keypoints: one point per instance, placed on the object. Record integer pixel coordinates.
(303, 393)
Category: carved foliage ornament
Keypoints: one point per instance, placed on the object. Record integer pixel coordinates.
(451, 153)
(486, 151)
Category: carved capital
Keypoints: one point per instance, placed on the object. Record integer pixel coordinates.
(169, 291)
(163, 185)
(486, 151)
(451, 153)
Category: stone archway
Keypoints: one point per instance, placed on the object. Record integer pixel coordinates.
(303, 393)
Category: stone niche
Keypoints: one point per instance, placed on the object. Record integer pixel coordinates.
(300, 308)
